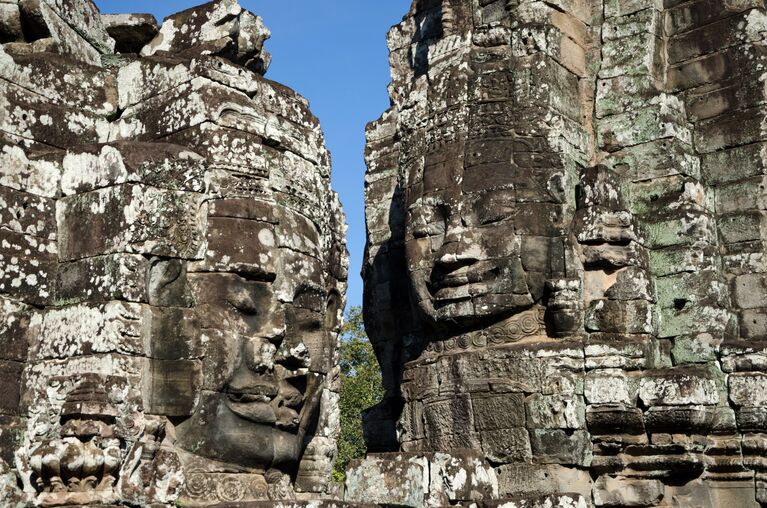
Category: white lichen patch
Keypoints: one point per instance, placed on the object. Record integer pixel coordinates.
(678, 389)
(116, 327)
(36, 177)
(17, 272)
(134, 218)
(87, 171)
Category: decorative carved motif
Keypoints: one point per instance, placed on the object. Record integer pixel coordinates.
(82, 466)
(521, 326)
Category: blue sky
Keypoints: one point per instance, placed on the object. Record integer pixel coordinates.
(333, 52)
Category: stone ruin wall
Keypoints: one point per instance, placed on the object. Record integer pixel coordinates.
(564, 272)
(137, 172)
(630, 137)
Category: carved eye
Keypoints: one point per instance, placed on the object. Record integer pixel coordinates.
(311, 325)
(493, 216)
(427, 220)
(496, 207)
(242, 300)
(427, 230)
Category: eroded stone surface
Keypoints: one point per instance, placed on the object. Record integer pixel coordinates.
(172, 265)
(564, 266)
(221, 28)
(421, 480)
(131, 32)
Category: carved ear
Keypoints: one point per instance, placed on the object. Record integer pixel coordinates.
(166, 282)
(333, 310)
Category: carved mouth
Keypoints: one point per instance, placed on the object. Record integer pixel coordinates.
(453, 281)
(265, 404)
(287, 418)
(257, 412)
(253, 402)
(454, 294)
(252, 391)
(461, 284)
(245, 398)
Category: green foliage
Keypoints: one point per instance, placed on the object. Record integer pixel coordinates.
(360, 389)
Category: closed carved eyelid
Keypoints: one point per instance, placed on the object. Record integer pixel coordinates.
(498, 215)
(430, 210)
(243, 301)
(431, 229)
(254, 274)
(495, 219)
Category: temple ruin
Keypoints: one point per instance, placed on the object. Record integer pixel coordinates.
(565, 274)
(565, 214)
(173, 264)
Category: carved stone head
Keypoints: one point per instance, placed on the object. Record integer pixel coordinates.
(269, 320)
(267, 288)
(189, 264)
(484, 194)
(464, 238)
(546, 161)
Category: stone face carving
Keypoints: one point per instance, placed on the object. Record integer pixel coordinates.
(565, 246)
(172, 264)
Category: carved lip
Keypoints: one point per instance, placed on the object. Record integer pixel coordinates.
(452, 281)
(452, 294)
(258, 412)
(287, 418)
(247, 398)
(461, 284)
(462, 276)
(252, 401)
(258, 409)
(252, 392)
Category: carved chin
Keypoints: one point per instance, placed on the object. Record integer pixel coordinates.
(445, 310)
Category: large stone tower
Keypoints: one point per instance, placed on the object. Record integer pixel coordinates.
(172, 264)
(565, 266)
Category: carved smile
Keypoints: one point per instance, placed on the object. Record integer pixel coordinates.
(245, 398)
(252, 391)
(458, 293)
(265, 404)
(461, 284)
(269, 412)
(253, 402)
(257, 412)
(453, 280)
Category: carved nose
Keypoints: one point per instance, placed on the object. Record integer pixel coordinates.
(259, 355)
(293, 354)
(456, 254)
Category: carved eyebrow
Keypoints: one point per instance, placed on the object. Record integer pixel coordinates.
(310, 288)
(431, 200)
(254, 274)
(312, 295)
(270, 221)
(244, 208)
